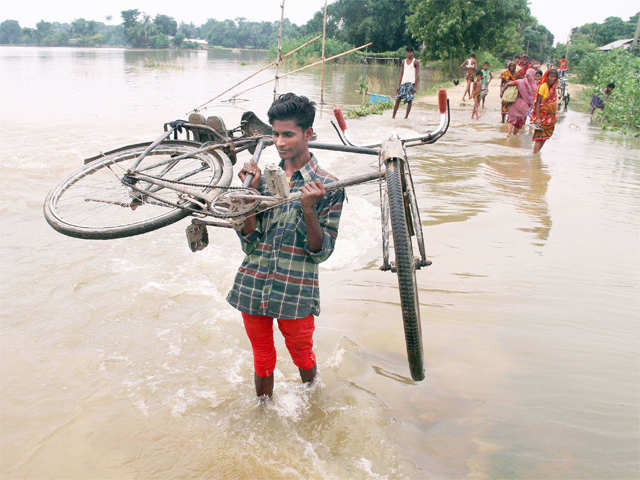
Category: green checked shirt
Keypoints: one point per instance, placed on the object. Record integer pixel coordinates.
(279, 275)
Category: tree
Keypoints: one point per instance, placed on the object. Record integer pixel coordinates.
(166, 24)
(10, 32)
(612, 29)
(538, 41)
(451, 29)
(178, 40)
(189, 30)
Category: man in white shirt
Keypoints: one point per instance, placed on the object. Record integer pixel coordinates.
(408, 82)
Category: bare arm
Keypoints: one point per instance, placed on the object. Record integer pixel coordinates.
(416, 64)
(250, 168)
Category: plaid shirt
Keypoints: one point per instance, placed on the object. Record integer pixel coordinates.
(279, 275)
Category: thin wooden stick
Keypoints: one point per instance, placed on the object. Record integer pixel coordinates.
(305, 67)
(279, 54)
(324, 36)
(256, 73)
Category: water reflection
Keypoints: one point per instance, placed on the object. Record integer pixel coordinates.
(525, 180)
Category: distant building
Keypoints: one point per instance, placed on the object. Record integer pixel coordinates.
(199, 41)
(625, 43)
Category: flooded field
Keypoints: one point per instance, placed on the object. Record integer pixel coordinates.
(121, 359)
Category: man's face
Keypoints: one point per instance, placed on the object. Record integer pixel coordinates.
(290, 140)
(409, 54)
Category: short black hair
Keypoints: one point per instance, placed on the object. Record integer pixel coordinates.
(473, 55)
(290, 106)
(409, 49)
(486, 63)
(611, 86)
(539, 72)
(479, 72)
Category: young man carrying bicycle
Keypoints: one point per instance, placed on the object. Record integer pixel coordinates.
(284, 245)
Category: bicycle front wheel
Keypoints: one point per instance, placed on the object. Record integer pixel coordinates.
(406, 269)
(95, 202)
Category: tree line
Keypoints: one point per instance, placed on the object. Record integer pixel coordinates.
(445, 30)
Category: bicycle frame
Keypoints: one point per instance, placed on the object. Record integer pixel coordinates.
(201, 202)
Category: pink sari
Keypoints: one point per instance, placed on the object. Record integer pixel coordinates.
(520, 108)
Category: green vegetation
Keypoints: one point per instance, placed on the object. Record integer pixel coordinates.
(586, 39)
(452, 29)
(311, 52)
(357, 22)
(80, 32)
(369, 109)
(598, 68)
(622, 110)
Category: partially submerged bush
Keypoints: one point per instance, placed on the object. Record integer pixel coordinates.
(622, 110)
(369, 109)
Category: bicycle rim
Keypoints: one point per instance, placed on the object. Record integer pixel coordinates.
(94, 203)
(406, 271)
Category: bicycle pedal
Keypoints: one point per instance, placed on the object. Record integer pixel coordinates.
(385, 267)
(197, 236)
(419, 263)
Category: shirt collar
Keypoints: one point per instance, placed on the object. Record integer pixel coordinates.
(307, 171)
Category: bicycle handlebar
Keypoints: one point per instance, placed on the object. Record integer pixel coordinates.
(427, 137)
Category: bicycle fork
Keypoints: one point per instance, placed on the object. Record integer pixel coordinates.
(393, 150)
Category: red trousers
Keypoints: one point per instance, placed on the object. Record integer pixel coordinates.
(298, 337)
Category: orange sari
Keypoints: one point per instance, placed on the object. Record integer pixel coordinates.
(548, 112)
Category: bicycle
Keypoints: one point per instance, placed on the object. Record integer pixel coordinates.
(142, 187)
(563, 95)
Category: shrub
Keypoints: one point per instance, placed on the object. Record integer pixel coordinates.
(622, 109)
(369, 109)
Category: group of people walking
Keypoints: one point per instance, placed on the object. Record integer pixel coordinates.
(525, 92)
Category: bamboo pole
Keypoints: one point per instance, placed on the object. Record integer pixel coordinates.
(306, 66)
(324, 37)
(257, 72)
(279, 54)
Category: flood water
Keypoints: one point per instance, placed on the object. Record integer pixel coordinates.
(121, 359)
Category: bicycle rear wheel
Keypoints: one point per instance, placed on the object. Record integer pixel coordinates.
(406, 269)
(95, 203)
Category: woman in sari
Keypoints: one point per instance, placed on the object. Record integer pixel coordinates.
(519, 109)
(509, 75)
(544, 113)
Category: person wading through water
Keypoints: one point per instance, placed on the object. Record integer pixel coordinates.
(470, 66)
(545, 109)
(408, 82)
(284, 245)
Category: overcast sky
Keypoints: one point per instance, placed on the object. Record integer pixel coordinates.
(559, 16)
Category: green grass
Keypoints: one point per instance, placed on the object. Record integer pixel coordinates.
(369, 109)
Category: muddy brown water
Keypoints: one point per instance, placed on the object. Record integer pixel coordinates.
(121, 359)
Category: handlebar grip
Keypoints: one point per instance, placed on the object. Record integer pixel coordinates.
(340, 118)
(442, 100)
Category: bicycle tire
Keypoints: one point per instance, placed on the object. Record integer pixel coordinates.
(405, 268)
(71, 214)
